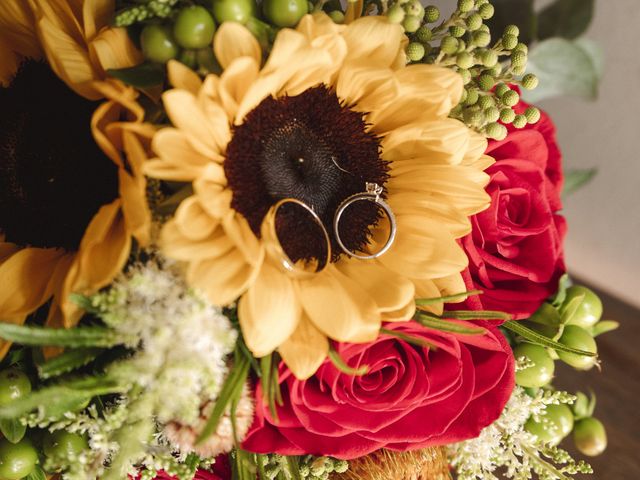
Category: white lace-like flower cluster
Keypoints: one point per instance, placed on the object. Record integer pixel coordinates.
(506, 444)
(182, 340)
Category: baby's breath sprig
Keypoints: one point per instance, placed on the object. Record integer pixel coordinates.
(463, 43)
(309, 467)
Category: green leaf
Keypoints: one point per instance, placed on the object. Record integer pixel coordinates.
(565, 18)
(538, 339)
(448, 298)
(67, 361)
(516, 12)
(413, 340)
(575, 179)
(564, 67)
(231, 389)
(293, 467)
(36, 474)
(12, 429)
(60, 337)
(568, 309)
(476, 315)
(436, 323)
(563, 284)
(604, 326)
(546, 314)
(56, 400)
(144, 75)
(341, 365)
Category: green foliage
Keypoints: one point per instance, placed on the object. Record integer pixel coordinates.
(542, 340)
(341, 365)
(145, 75)
(564, 67)
(68, 361)
(12, 429)
(61, 337)
(437, 323)
(565, 18)
(575, 179)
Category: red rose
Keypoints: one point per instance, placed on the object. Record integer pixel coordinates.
(515, 249)
(412, 397)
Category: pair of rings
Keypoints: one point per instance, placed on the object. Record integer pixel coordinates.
(304, 268)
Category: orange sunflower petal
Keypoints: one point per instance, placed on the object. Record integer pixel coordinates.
(305, 350)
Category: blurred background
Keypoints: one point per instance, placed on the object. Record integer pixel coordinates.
(597, 115)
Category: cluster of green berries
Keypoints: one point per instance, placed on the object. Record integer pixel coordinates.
(463, 43)
(310, 467)
(176, 29)
(574, 323)
(18, 455)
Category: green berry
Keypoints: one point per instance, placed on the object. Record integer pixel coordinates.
(64, 445)
(396, 14)
(473, 21)
(415, 51)
(507, 115)
(158, 44)
(449, 45)
(509, 41)
(577, 337)
(411, 23)
(520, 121)
(501, 89)
(510, 98)
(194, 27)
(496, 131)
(472, 97)
(14, 384)
(555, 424)
(485, 28)
(424, 34)
(284, 13)
(495, 71)
(189, 58)
(491, 114)
(590, 309)
(337, 16)
(462, 46)
(456, 31)
(486, 82)
(464, 60)
(466, 76)
(532, 114)
(415, 8)
(519, 70)
(17, 460)
(529, 81)
(233, 10)
(473, 117)
(486, 101)
(486, 11)
(518, 59)
(521, 47)
(489, 58)
(511, 30)
(465, 6)
(542, 366)
(590, 436)
(481, 38)
(431, 14)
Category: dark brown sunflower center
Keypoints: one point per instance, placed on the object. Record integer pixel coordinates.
(311, 148)
(53, 176)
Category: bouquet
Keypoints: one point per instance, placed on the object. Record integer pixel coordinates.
(282, 240)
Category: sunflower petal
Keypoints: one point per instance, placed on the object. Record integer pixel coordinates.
(339, 307)
(113, 49)
(305, 350)
(233, 41)
(269, 311)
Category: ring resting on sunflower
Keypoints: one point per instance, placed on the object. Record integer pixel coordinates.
(372, 194)
(307, 268)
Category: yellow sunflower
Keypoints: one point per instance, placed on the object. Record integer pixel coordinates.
(333, 107)
(72, 193)
(72, 35)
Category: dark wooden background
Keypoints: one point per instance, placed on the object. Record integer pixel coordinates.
(617, 387)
